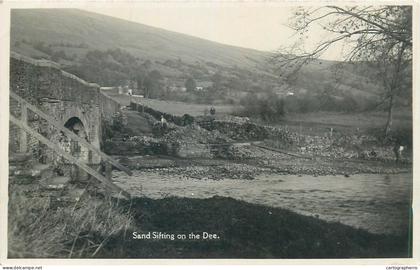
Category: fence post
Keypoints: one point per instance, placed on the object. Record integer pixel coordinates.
(108, 170)
(23, 139)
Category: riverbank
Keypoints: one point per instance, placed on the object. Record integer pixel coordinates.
(259, 161)
(97, 227)
(244, 230)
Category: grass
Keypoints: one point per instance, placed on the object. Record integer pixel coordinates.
(319, 123)
(177, 108)
(38, 229)
(365, 119)
(102, 32)
(180, 108)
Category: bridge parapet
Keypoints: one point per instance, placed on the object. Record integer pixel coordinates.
(38, 79)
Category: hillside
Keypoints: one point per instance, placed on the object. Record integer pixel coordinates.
(112, 51)
(75, 27)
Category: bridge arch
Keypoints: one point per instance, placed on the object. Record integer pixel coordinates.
(73, 147)
(75, 125)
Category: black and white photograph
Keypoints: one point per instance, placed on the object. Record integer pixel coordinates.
(210, 132)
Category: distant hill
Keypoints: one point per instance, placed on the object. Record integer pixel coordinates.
(109, 50)
(95, 31)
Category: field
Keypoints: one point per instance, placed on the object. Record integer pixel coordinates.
(358, 119)
(181, 108)
(174, 107)
(319, 123)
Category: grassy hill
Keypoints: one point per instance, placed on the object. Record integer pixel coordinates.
(110, 51)
(94, 31)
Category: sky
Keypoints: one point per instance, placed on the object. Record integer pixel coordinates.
(263, 27)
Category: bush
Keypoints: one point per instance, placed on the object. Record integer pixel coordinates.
(398, 135)
(115, 127)
(268, 108)
(349, 104)
(403, 136)
(303, 104)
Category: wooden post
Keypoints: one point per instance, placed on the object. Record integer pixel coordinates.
(300, 132)
(108, 171)
(23, 140)
(69, 157)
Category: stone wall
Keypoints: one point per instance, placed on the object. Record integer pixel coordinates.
(194, 150)
(108, 106)
(59, 94)
(184, 120)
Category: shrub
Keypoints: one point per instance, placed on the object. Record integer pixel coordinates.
(349, 104)
(269, 107)
(398, 135)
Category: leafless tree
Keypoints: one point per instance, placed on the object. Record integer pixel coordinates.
(378, 36)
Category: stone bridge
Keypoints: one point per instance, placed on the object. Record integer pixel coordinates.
(74, 103)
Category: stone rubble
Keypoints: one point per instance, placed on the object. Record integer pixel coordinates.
(228, 171)
(231, 139)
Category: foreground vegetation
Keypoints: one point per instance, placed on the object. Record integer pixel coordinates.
(40, 228)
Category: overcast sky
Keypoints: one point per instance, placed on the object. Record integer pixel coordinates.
(257, 27)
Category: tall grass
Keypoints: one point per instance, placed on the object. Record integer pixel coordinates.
(37, 229)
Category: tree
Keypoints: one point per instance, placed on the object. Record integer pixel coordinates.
(217, 80)
(190, 84)
(140, 77)
(377, 36)
(152, 84)
(147, 64)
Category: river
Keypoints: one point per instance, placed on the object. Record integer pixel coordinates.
(374, 202)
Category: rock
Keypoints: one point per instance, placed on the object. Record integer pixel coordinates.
(56, 183)
(19, 158)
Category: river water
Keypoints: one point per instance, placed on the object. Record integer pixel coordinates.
(374, 202)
